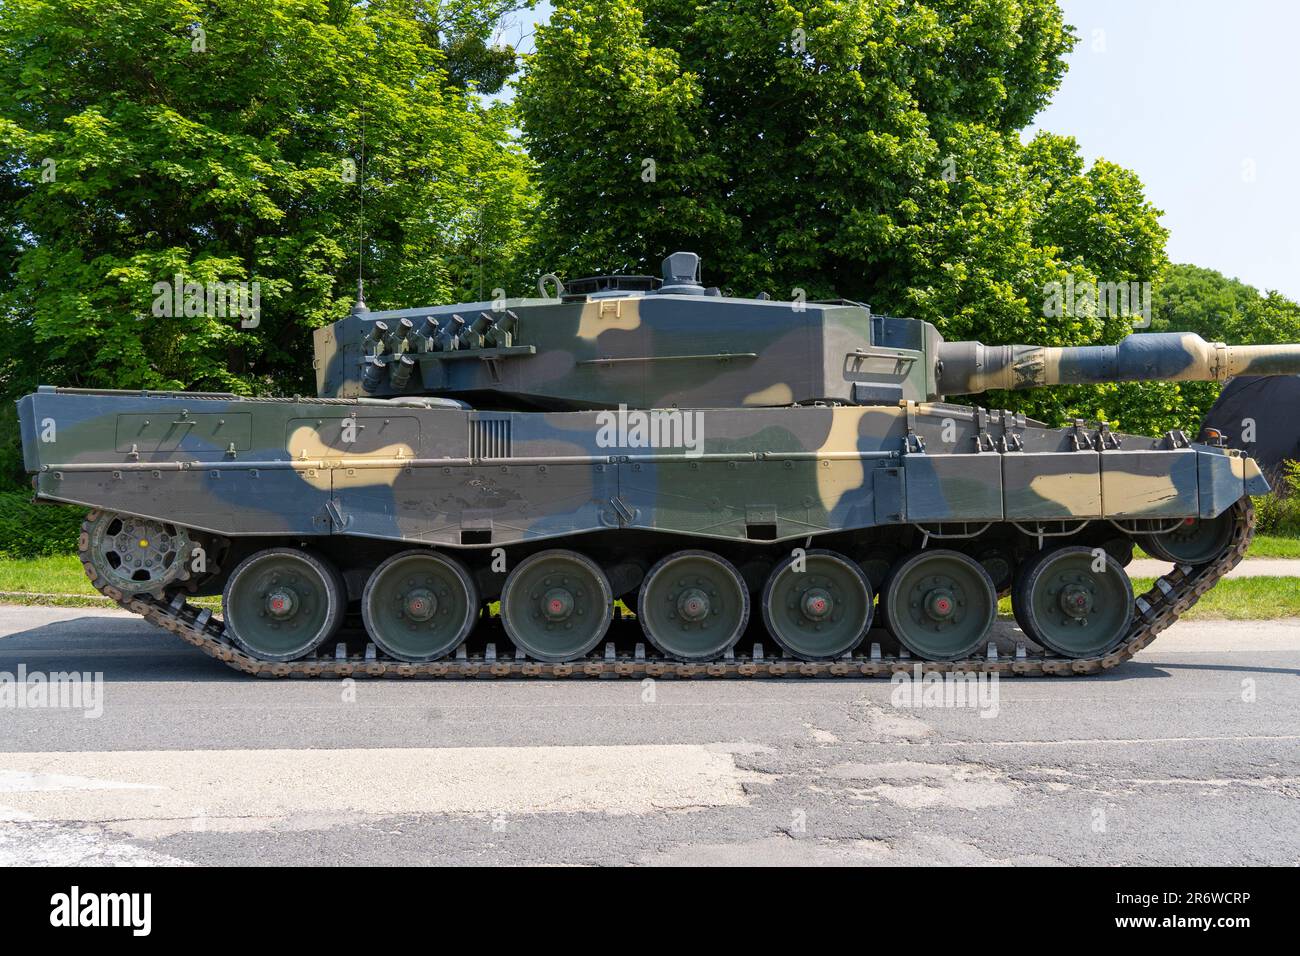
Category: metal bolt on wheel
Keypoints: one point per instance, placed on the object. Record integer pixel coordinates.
(419, 606)
(693, 606)
(940, 604)
(556, 605)
(820, 612)
(283, 603)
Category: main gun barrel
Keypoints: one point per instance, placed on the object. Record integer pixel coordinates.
(966, 368)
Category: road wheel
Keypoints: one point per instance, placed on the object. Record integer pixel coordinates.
(693, 606)
(940, 604)
(1000, 564)
(556, 605)
(1065, 604)
(282, 603)
(419, 606)
(817, 606)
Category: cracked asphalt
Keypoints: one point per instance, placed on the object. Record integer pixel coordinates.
(1190, 754)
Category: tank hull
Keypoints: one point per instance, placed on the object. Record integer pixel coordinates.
(460, 478)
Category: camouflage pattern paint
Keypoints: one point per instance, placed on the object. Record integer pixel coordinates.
(419, 474)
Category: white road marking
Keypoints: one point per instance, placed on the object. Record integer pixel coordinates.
(1091, 741)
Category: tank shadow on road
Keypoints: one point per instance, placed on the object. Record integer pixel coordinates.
(120, 649)
(1245, 668)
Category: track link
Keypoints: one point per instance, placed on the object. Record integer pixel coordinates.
(1170, 596)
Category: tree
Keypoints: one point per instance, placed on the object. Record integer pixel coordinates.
(597, 103)
(466, 32)
(863, 149)
(223, 142)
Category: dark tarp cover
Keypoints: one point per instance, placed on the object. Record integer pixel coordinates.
(1273, 403)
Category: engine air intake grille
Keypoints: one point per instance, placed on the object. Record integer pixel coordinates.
(490, 438)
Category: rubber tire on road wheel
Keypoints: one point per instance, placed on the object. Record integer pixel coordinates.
(591, 605)
(959, 588)
(673, 580)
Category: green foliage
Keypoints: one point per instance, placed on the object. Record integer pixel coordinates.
(869, 150)
(1278, 512)
(843, 147)
(597, 98)
(36, 580)
(221, 141)
(30, 530)
(1193, 299)
(463, 30)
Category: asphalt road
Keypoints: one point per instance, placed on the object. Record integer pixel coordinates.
(1188, 754)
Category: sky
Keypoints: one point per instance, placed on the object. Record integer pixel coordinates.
(1202, 100)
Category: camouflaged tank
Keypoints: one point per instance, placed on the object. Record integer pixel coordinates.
(747, 486)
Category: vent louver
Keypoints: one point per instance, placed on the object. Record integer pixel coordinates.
(490, 438)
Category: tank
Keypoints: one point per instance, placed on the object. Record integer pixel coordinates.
(643, 477)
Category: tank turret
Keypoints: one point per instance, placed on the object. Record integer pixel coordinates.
(643, 342)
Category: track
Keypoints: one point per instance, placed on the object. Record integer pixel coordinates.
(1157, 609)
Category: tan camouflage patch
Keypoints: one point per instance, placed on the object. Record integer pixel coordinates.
(836, 478)
(778, 394)
(1077, 494)
(325, 467)
(1125, 493)
(325, 347)
(609, 315)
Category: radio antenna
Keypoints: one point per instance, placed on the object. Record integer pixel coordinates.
(361, 229)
